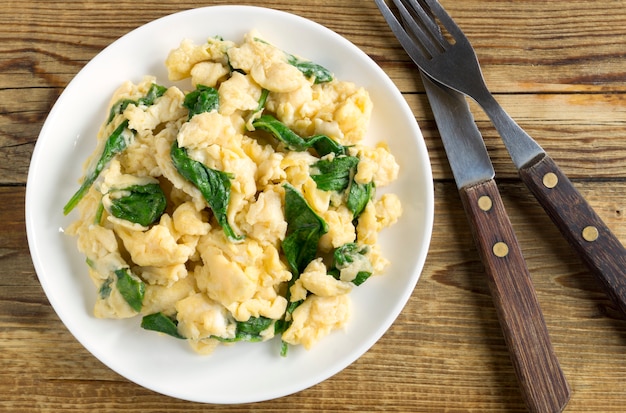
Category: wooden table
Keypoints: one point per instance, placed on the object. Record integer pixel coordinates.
(558, 67)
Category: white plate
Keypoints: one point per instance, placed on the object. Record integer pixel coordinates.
(245, 372)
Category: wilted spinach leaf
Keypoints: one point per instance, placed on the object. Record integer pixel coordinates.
(155, 92)
(143, 204)
(131, 288)
(105, 288)
(352, 254)
(310, 69)
(203, 99)
(116, 143)
(322, 144)
(334, 174)
(304, 229)
(213, 184)
(161, 323)
(249, 330)
(358, 197)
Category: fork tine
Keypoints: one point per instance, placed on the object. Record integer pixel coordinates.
(421, 26)
(416, 51)
(427, 19)
(446, 21)
(436, 44)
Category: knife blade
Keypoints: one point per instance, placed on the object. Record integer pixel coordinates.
(542, 382)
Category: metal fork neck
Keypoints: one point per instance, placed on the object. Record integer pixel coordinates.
(522, 148)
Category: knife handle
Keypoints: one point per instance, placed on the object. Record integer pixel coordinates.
(543, 384)
(603, 253)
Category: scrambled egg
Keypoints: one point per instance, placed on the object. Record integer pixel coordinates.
(183, 265)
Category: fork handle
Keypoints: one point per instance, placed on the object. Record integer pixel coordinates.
(543, 384)
(580, 225)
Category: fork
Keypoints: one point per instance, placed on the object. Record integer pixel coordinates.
(441, 50)
(451, 60)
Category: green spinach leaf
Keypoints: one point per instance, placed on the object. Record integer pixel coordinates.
(334, 174)
(304, 229)
(358, 197)
(322, 144)
(131, 288)
(352, 255)
(161, 323)
(141, 204)
(213, 184)
(361, 277)
(105, 288)
(310, 69)
(118, 108)
(337, 175)
(262, 100)
(116, 143)
(203, 99)
(155, 92)
(249, 330)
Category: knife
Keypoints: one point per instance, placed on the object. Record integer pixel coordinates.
(542, 382)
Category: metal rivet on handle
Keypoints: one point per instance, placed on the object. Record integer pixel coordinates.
(550, 180)
(590, 233)
(500, 249)
(485, 203)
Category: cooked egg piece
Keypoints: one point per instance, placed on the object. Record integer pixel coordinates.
(315, 318)
(200, 317)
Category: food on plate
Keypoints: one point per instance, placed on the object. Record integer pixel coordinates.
(240, 207)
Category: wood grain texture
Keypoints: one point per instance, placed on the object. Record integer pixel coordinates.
(542, 383)
(597, 246)
(557, 67)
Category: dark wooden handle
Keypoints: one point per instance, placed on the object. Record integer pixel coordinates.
(603, 253)
(541, 379)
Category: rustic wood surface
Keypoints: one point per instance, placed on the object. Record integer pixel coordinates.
(558, 67)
